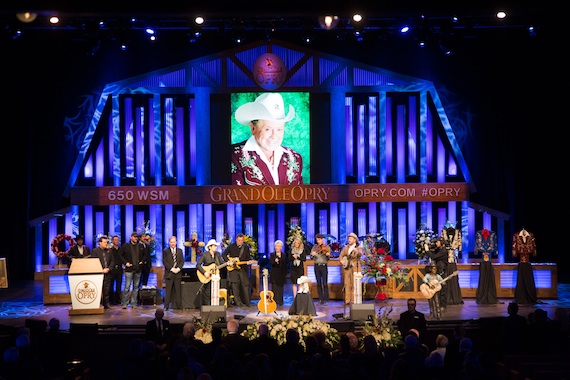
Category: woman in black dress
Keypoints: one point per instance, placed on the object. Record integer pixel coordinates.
(297, 256)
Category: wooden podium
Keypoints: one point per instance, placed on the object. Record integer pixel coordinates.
(86, 286)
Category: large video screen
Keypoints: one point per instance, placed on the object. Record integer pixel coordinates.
(270, 137)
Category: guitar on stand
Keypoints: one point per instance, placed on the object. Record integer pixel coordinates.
(434, 286)
(266, 302)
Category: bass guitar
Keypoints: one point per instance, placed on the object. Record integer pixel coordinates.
(266, 302)
(434, 286)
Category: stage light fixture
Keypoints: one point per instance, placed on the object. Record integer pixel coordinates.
(404, 29)
(338, 316)
(532, 31)
(328, 22)
(199, 20)
(26, 17)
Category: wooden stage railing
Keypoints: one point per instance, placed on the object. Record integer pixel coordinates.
(56, 286)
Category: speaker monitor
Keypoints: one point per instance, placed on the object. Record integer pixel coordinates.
(213, 313)
(362, 311)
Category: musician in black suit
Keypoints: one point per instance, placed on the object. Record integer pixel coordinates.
(211, 257)
(439, 257)
(158, 330)
(238, 277)
(103, 253)
(173, 261)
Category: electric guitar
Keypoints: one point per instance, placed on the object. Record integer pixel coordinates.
(236, 264)
(434, 286)
(266, 302)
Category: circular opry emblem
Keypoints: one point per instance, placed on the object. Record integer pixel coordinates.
(269, 71)
(86, 292)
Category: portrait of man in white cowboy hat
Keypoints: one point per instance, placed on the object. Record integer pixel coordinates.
(262, 159)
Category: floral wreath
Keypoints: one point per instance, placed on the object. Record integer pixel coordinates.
(55, 245)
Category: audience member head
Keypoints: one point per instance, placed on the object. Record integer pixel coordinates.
(441, 341)
(159, 313)
(434, 360)
(54, 324)
(233, 326)
(465, 344)
(410, 341)
(415, 332)
(23, 341)
(189, 330)
(513, 308)
(11, 355)
(217, 333)
(540, 316)
(321, 337)
(353, 340)
(369, 343)
(263, 329)
(292, 335)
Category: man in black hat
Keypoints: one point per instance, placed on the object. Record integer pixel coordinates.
(321, 253)
(133, 257)
(438, 255)
(79, 250)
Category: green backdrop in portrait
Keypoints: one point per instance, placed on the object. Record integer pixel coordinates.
(297, 130)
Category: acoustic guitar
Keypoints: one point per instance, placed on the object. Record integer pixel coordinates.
(212, 268)
(434, 286)
(266, 302)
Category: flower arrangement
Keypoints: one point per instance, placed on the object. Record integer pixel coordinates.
(296, 232)
(383, 330)
(423, 236)
(226, 241)
(380, 266)
(306, 325)
(203, 331)
(55, 245)
(253, 252)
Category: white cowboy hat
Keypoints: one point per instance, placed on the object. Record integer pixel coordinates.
(212, 242)
(303, 280)
(267, 106)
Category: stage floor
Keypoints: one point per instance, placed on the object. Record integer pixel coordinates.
(24, 300)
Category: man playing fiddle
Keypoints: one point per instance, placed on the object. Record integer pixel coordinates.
(321, 253)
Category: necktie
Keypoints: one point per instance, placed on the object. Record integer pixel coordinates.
(174, 255)
(159, 328)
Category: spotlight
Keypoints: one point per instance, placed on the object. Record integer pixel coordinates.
(26, 17)
(328, 22)
(405, 29)
(532, 31)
